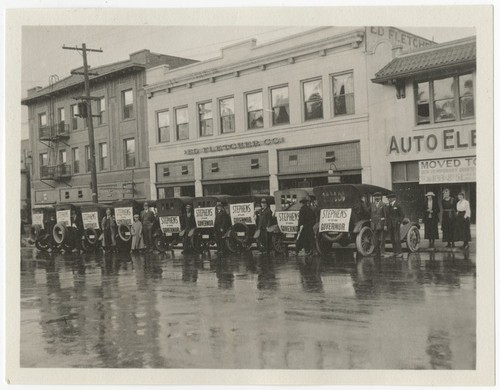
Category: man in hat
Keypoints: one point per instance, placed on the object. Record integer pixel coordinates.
(265, 220)
(394, 217)
(377, 222)
(147, 219)
(307, 219)
(188, 223)
(221, 225)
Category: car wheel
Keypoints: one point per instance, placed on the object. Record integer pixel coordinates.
(364, 241)
(324, 247)
(413, 239)
(161, 244)
(43, 243)
(278, 245)
(60, 233)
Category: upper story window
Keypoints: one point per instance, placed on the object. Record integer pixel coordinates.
(44, 162)
(163, 120)
(343, 94)
(103, 156)
(88, 167)
(62, 157)
(205, 117)
(101, 110)
(255, 113)
(42, 119)
(313, 99)
(76, 160)
(61, 115)
(182, 123)
(129, 145)
(444, 99)
(280, 105)
(128, 104)
(74, 116)
(226, 109)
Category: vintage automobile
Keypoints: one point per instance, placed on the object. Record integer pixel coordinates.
(92, 215)
(203, 236)
(43, 219)
(66, 233)
(244, 219)
(124, 216)
(345, 218)
(170, 213)
(287, 216)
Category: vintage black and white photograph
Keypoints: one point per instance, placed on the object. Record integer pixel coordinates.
(249, 197)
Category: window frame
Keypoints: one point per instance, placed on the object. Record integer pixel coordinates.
(40, 161)
(40, 115)
(205, 120)
(100, 110)
(102, 158)
(158, 128)
(304, 102)
(73, 108)
(75, 156)
(248, 112)
(353, 93)
(59, 111)
(177, 124)
(271, 89)
(221, 117)
(126, 114)
(88, 159)
(126, 155)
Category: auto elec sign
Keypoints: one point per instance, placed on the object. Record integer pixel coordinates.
(447, 170)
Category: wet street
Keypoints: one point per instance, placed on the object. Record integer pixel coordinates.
(248, 311)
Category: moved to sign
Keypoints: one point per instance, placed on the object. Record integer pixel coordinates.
(447, 170)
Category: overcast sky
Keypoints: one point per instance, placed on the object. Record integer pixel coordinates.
(42, 53)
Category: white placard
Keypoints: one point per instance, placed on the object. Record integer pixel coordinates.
(288, 221)
(90, 220)
(334, 220)
(37, 219)
(205, 217)
(447, 170)
(64, 217)
(242, 213)
(170, 224)
(124, 215)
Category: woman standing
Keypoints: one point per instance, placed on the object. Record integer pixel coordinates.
(108, 225)
(448, 218)
(462, 225)
(136, 230)
(431, 218)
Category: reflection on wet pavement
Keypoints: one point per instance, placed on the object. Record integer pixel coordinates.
(248, 311)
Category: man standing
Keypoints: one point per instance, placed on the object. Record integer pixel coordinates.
(221, 225)
(307, 219)
(377, 222)
(77, 225)
(265, 220)
(147, 219)
(188, 223)
(394, 218)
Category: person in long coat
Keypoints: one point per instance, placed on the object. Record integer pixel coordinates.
(395, 216)
(221, 225)
(431, 218)
(148, 219)
(378, 212)
(307, 219)
(109, 228)
(462, 223)
(265, 220)
(448, 218)
(188, 222)
(136, 231)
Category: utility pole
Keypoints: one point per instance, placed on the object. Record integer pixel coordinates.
(87, 99)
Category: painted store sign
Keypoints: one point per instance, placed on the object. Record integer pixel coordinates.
(447, 170)
(446, 140)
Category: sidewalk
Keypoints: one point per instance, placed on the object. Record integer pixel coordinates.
(440, 246)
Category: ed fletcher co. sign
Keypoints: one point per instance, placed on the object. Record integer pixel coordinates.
(236, 146)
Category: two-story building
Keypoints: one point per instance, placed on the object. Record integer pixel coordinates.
(427, 129)
(295, 112)
(59, 140)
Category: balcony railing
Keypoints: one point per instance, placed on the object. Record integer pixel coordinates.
(58, 131)
(55, 172)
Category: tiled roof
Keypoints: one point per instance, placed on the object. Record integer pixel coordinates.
(446, 55)
(107, 70)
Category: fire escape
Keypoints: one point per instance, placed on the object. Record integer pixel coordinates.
(56, 132)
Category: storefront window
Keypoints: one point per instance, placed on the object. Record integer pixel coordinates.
(255, 118)
(281, 107)
(182, 123)
(226, 107)
(313, 99)
(206, 119)
(343, 94)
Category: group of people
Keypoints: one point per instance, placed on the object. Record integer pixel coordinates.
(455, 219)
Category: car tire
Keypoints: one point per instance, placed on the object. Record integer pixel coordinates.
(323, 246)
(161, 243)
(60, 233)
(364, 241)
(413, 239)
(43, 243)
(278, 245)
(124, 233)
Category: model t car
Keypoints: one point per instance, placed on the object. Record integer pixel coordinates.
(243, 211)
(170, 212)
(203, 235)
(287, 216)
(92, 215)
(68, 230)
(124, 216)
(43, 220)
(345, 218)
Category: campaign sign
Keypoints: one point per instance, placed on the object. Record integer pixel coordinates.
(124, 215)
(288, 221)
(205, 217)
(37, 219)
(64, 217)
(170, 224)
(334, 220)
(242, 213)
(90, 220)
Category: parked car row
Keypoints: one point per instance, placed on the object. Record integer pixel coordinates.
(340, 209)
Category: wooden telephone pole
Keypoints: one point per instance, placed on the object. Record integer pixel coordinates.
(87, 99)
